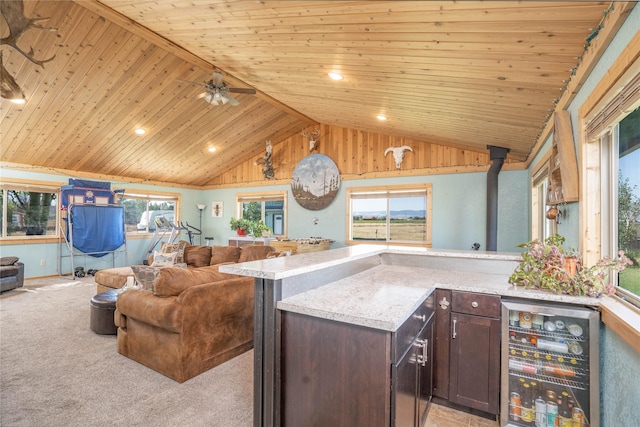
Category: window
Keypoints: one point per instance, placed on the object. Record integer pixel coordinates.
(398, 215)
(141, 210)
(620, 151)
(29, 210)
(611, 183)
(541, 226)
(269, 207)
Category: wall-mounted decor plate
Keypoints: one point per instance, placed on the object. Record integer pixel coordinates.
(315, 182)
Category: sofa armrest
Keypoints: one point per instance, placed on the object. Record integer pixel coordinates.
(20, 276)
(144, 306)
(226, 305)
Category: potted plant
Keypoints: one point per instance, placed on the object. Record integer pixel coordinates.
(241, 226)
(548, 266)
(259, 229)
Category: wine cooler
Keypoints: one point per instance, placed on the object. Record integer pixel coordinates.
(550, 365)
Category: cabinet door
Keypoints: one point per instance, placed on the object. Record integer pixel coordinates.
(425, 370)
(442, 336)
(475, 362)
(406, 383)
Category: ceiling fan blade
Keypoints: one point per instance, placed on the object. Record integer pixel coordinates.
(201, 95)
(191, 83)
(230, 99)
(246, 90)
(218, 79)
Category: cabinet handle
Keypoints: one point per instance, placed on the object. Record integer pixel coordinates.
(419, 317)
(454, 328)
(474, 304)
(424, 345)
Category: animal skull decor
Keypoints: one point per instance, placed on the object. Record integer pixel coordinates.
(398, 153)
(313, 138)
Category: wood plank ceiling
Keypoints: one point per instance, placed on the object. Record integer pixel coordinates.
(464, 74)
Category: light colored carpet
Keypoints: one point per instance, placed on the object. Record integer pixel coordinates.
(54, 371)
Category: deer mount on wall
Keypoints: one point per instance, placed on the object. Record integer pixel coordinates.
(398, 153)
(313, 138)
(267, 170)
(18, 24)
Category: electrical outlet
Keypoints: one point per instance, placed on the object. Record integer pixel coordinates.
(43, 262)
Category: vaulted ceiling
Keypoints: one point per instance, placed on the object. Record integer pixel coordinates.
(463, 74)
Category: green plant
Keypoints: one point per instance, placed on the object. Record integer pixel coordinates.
(257, 227)
(240, 224)
(546, 265)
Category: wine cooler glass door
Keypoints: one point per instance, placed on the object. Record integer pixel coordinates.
(549, 365)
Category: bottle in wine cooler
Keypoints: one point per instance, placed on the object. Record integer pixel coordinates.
(537, 322)
(564, 413)
(528, 414)
(525, 319)
(514, 318)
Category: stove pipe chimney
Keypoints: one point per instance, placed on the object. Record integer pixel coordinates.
(497, 156)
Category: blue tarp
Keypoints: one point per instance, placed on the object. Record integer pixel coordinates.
(97, 228)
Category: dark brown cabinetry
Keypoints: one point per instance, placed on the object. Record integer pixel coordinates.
(467, 371)
(338, 374)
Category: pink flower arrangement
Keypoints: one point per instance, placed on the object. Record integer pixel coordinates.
(548, 266)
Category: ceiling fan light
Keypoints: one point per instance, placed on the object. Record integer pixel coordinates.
(211, 99)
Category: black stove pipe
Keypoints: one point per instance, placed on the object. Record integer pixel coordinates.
(497, 156)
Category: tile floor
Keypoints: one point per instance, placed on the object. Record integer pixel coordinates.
(441, 416)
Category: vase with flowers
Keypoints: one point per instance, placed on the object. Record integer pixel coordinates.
(548, 266)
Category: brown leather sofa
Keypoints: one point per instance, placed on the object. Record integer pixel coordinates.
(193, 256)
(192, 320)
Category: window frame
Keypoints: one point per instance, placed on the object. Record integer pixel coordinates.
(29, 186)
(150, 196)
(541, 227)
(263, 197)
(391, 189)
(599, 119)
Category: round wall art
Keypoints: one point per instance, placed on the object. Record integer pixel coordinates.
(315, 182)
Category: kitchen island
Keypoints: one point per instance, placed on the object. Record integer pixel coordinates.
(373, 287)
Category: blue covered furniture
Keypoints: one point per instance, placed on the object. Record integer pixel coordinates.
(11, 273)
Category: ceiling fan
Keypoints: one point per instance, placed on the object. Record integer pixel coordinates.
(217, 91)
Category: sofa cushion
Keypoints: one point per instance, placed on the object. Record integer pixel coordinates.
(254, 252)
(177, 247)
(224, 254)
(197, 256)
(113, 278)
(8, 260)
(172, 281)
(146, 275)
(9, 270)
(164, 260)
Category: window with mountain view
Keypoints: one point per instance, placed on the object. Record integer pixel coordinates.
(390, 215)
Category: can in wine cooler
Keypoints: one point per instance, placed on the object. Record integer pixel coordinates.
(514, 318)
(515, 406)
(577, 416)
(552, 414)
(541, 413)
(525, 319)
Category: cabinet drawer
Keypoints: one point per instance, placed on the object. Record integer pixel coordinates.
(476, 304)
(408, 331)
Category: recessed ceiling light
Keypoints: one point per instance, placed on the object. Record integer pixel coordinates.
(381, 117)
(18, 101)
(212, 149)
(140, 131)
(336, 75)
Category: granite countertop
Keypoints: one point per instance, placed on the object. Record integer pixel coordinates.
(384, 296)
(283, 267)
